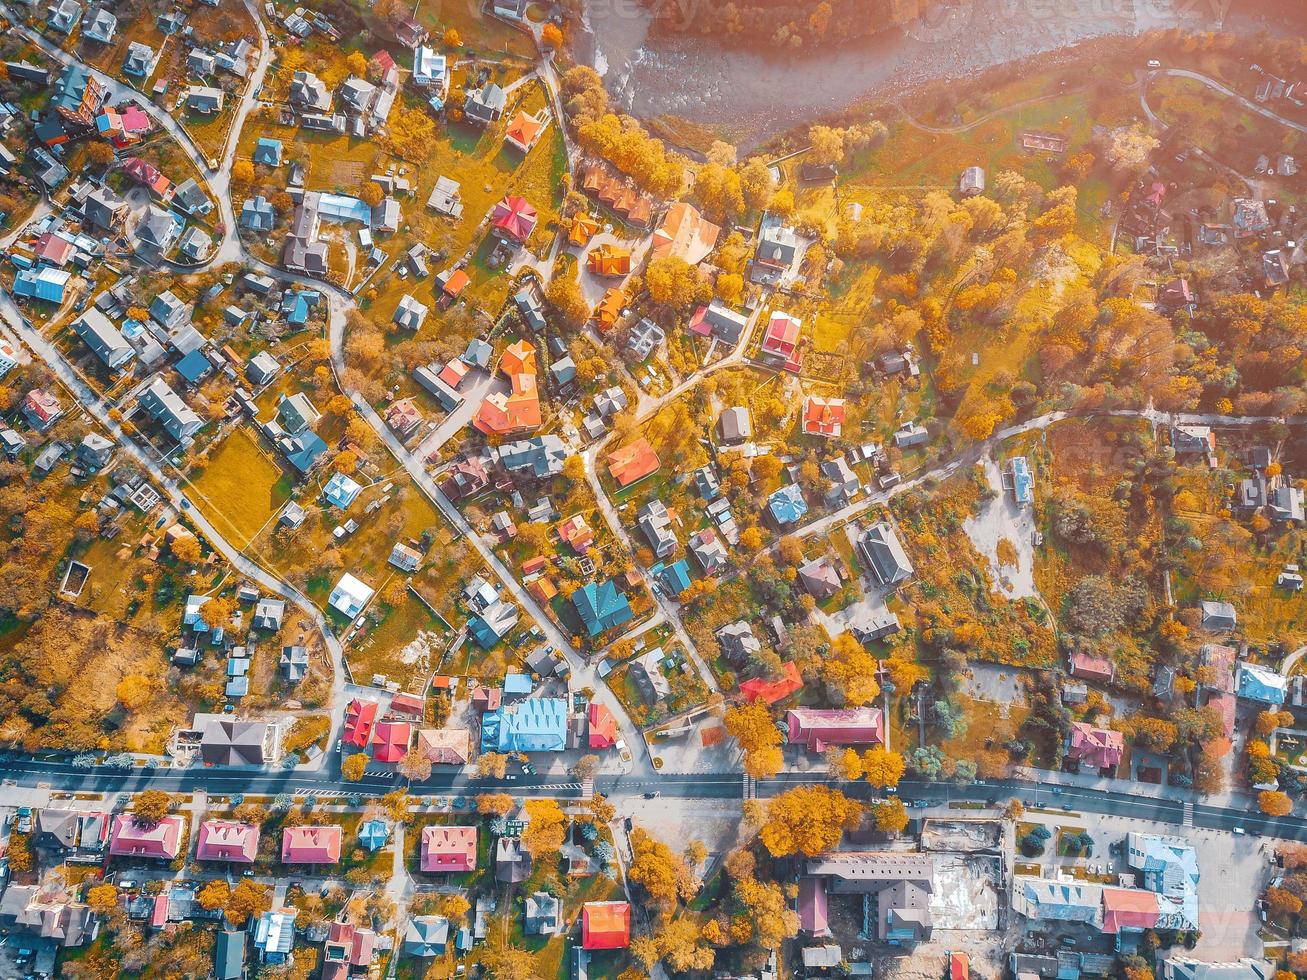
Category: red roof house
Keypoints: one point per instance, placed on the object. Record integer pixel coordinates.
(392, 739)
(603, 727)
(1129, 908)
(409, 707)
(147, 176)
(605, 925)
(41, 406)
(819, 728)
(576, 534)
(513, 218)
(486, 698)
(446, 849)
(781, 339)
(454, 372)
(1098, 748)
(823, 417)
(310, 845)
(348, 950)
(146, 840)
(227, 840)
(54, 249)
(771, 691)
(633, 462)
(1091, 668)
(359, 718)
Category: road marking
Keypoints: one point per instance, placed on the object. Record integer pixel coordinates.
(1188, 820)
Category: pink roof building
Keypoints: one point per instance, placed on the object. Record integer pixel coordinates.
(227, 840)
(1091, 668)
(819, 728)
(132, 839)
(1098, 748)
(348, 951)
(448, 849)
(781, 339)
(310, 845)
(513, 218)
(1129, 908)
(814, 907)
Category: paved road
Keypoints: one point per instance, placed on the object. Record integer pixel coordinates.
(1216, 86)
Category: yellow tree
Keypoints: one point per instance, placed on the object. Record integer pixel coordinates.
(891, 816)
(102, 898)
(151, 806)
(808, 820)
(353, 767)
(881, 767)
(546, 827)
(248, 899)
(1274, 803)
(752, 726)
(662, 874)
(214, 894)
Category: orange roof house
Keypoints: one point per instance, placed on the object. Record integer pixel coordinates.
(576, 533)
(823, 417)
(609, 310)
(582, 230)
(453, 283)
(519, 410)
(524, 130)
(609, 260)
(1129, 908)
(603, 727)
(685, 234)
(605, 925)
(533, 565)
(542, 590)
(633, 463)
(771, 691)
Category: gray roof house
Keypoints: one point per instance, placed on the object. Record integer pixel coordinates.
(204, 99)
(1184, 968)
(104, 339)
(543, 915)
(268, 614)
(166, 407)
(262, 368)
(64, 16)
(190, 197)
(1218, 617)
(512, 861)
(647, 673)
(257, 214)
(104, 209)
(168, 311)
(195, 243)
(543, 455)
(308, 92)
(738, 642)
(100, 25)
(410, 313)
(734, 425)
(485, 105)
(139, 60)
(656, 524)
(158, 230)
(901, 882)
(646, 337)
(880, 549)
(94, 451)
(230, 742)
(294, 663)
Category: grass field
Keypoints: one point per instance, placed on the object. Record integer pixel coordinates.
(240, 486)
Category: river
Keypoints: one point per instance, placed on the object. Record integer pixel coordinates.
(753, 96)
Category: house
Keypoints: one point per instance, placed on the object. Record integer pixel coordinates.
(656, 523)
(257, 214)
(274, 935)
(445, 746)
(1193, 440)
(525, 130)
(734, 426)
(911, 434)
(883, 554)
(72, 831)
(46, 917)
(900, 883)
(819, 578)
(95, 451)
(787, 505)
(294, 663)
(646, 672)
(157, 231)
(609, 309)
(267, 152)
(1217, 617)
(446, 850)
(770, 691)
(404, 558)
(708, 550)
(231, 742)
(350, 596)
(262, 368)
(685, 234)
(1185, 968)
(308, 93)
(104, 209)
(1090, 667)
(426, 936)
(360, 716)
(404, 418)
(645, 338)
(513, 219)
(543, 915)
(104, 339)
(1262, 684)
(632, 463)
(576, 534)
(390, 741)
(1095, 748)
(605, 925)
(229, 954)
(485, 105)
(972, 182)
(519, 409)
(204, 99)
(780, 341)
(199, 62)
(310, 845)
(348, 951)
(542, 456)
(44, 283)
(159, 841)
(609, 261)
(1063, 899)
(1021, 481)
(720, 321)
(601, 607)
(195, 244)
(602, 727)
(268, 614)
(512, 861)
(149, 177)
(227, 840)
(530, 305)
(64, 16)
(409, 313)
(778, 252)
(166, 407)
(738, 643)
(818, 729)
(430, 70)
(341, 491)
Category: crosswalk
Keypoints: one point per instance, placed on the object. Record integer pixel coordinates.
(750, 787)
(1188, 820)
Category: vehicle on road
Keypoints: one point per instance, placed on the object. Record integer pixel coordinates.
(652, 795)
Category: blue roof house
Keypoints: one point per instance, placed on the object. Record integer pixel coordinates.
(274, 935)
(1023, 481)
(46, 283)
(601, 607)
(1257, 683)
(267, 151)
(518, 685)
(787, 504)
(676, 576)
(533, 725)
(193, 367)
(341, 490)
(373, 834)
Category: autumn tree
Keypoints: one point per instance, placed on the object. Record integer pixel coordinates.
(849, 672)
(662, 874)
(768, 920)
(753, 727)
(416, 767)
(186, 549)
(808, 820)
(454, 907)
(674, 283)
(881, 767)
(1282, 903)
(213, 895)
(100, 154)
(510, 963)
(551, 36)
(242, 173)
(452, 38)
(495, 804)
(151, 806)
(1274, 803)
(248, 900)
(827, 145)
(135, 691)
(546, 828)
(564, 294)
(357, 64)
(353, 767)
(371, 194)
(1128, 148)
(891, 816)
(492, 764)
(681, 946)
(102, 899)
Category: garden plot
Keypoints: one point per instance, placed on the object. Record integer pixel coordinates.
(1004, 533)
